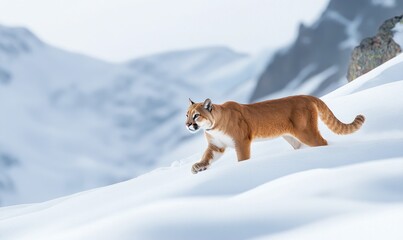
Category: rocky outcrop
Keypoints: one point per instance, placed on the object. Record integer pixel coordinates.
(324, 48)
(374, 51)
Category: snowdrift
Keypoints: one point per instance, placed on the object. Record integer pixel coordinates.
(351, 189)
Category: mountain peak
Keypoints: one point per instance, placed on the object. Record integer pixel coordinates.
(17, 40)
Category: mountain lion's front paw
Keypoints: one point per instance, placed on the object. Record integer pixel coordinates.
(198, 167)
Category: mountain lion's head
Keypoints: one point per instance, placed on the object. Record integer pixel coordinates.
(199, 116)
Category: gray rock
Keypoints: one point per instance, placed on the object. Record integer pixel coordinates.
(374, 51)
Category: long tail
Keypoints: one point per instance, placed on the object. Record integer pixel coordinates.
(334, 124)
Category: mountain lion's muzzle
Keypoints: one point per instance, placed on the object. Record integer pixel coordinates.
(192, 127)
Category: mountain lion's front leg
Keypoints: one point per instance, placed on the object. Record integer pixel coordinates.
(211, 154)
(242, 149)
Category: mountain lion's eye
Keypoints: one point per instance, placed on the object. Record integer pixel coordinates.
(196, 116)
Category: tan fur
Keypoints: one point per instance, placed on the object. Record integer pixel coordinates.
(295, 118)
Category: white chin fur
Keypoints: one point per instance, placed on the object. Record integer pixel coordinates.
(192, 130)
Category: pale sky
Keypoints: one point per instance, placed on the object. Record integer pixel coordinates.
(119, 30)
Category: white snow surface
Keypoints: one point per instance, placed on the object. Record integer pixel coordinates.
(350, 189)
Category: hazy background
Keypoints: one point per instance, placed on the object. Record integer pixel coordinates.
(117, 30)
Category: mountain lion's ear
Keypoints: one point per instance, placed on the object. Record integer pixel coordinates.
(208, 105)
(191, 102)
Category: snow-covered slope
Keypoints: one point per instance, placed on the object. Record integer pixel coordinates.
(69, 122)
(351, 189)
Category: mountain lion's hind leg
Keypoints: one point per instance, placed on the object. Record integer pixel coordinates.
(293, 142)
(308, 132)
(311, 135)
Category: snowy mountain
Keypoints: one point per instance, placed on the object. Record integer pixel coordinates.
(351, 189)
(70, 122)
(317, 61)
